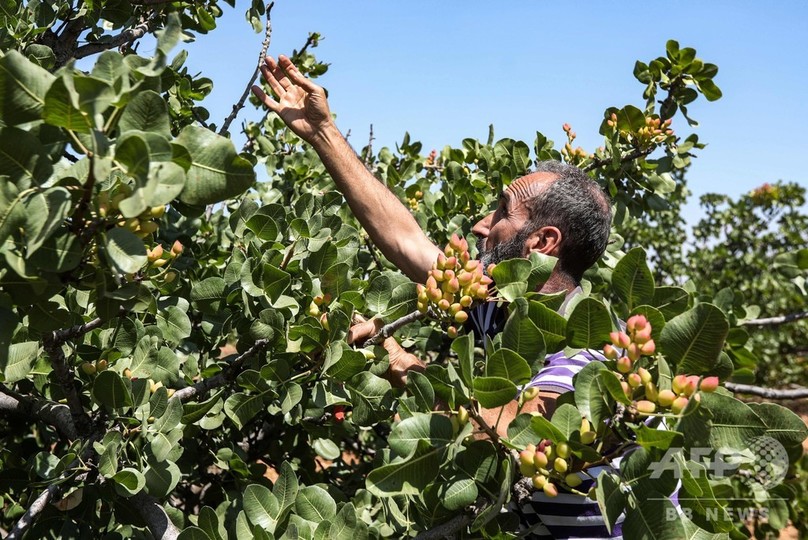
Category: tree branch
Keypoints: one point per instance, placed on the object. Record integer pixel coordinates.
(33, 511)
(776, 321)
(475, 415)
(220, 379)
(769, 393)
(240, 103)
(52, 413)
(448, 529)
(389, 329)
(634, 154)
(155, 516)
(124, 38)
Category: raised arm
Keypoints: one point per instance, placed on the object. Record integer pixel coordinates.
(303, 106)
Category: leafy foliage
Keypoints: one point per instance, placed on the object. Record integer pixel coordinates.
(162, 367)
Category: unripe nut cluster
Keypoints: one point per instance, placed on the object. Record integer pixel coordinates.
(455, 282)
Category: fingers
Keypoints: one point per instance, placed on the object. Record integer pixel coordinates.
(296, 76)
(270, 103)
(271, 80)
(362, 331)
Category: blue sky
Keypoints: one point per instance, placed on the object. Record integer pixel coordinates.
(446, 70)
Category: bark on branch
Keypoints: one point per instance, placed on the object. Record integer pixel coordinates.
(448, 529)
(55, 414)
(240, 103)
(776, 321)
(124, 38)
(389, 329)
(155, 516)
(33, 511)
(769, 393)
(631, 156)
(224, 377)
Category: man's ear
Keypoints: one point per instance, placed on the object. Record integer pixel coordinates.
(546, 240)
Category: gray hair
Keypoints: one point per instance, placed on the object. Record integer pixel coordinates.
(578, 207)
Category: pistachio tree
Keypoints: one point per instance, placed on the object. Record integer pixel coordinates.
(173, 353)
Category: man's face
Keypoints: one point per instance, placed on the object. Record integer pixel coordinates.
(501, 232)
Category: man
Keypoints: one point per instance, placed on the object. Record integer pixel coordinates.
(556, 211)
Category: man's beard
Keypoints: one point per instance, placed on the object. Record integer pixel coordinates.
(510, 249)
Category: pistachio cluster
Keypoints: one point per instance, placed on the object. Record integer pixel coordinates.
(570, 153)
(142, 225)
(158, 256)
(548, 464)
(637, 381)
(314, 309)
(453, 284)
(655, 130)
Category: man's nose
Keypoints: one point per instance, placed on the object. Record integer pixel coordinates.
(483, 227)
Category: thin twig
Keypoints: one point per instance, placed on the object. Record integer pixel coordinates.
(372, 250)
(224, 377)
(124, 38)
(368, 157)
(240, 103)
(769, 393)
(78, 216)
(775, 321)
(475, 415)
(389, 329)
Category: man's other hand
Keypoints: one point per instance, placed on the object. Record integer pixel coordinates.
(300, 103)
(401, 362)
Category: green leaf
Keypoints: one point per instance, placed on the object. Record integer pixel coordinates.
(520, 431)
(567, 419)
(193, 412)
(21, 358)
(261, 506)
(589, 325)
(458, 492)
(147, 111)
(263, 226)
(208, 295)
(241, 408)
(494, 392)
(326, 448)
(610, 497)
(553, 327)
(23, 86)
(650, 520)
(292, 394)
(45, 213)
(781, 424)
(694, 339)
(734, 424)
(129, 482)
(217, 173)
(509, 365)
(110, 390)
(406, 477)
(286, 486)
(650, 438)
(403, 300)
(378, 293)
(125, 251)
(583, 382)
(313, 503)
(511, 278)
(174, 324)
(670, 301)
(435, 430)
(521, 335)
(419, 387)
(546, 429)
(276, 281)
(23, 159)
(162, 478)
(632, 279)
(371, 397)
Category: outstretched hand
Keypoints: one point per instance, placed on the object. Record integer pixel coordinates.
(401, 361)
(300, 103)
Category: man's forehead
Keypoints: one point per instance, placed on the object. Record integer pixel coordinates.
(530, 185)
